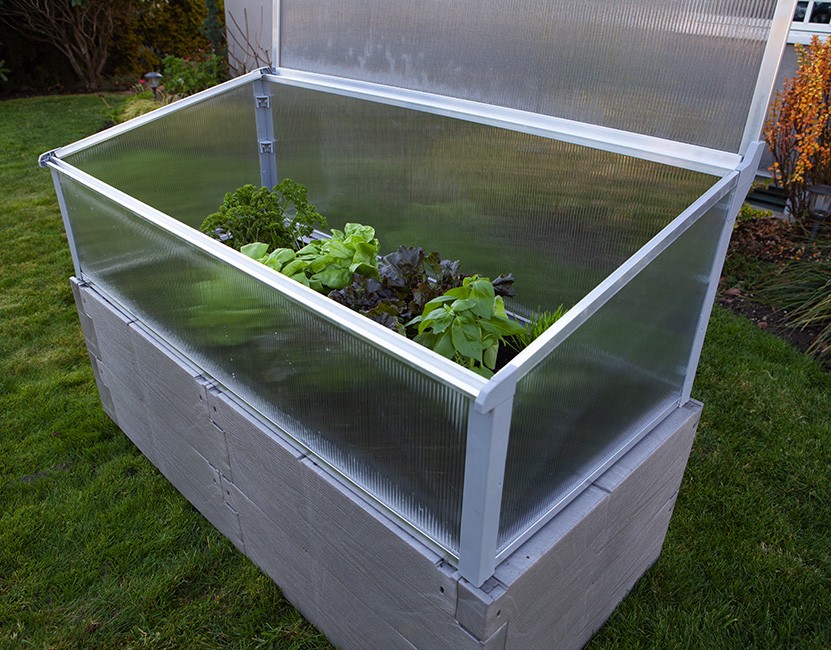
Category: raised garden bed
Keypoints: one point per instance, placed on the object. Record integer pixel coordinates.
(397, 496)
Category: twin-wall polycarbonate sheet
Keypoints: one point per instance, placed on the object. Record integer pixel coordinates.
(683, 70)
(185, 162)
(608, 380)
(390, 429)
(560, 217)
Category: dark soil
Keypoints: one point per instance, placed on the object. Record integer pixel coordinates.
(759, 248)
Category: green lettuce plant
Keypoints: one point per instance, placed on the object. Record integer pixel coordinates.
(324, 264)
(467, 324)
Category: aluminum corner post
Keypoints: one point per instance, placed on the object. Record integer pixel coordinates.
(56, 180)
(489, 427)
(266, 144)
(777, 39)
(747, 173)
(275, 33)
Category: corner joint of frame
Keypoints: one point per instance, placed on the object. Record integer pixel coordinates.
(265, 71)
(44, 158)
(498, 390)
(752, 156)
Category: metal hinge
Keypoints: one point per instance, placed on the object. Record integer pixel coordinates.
(263, 101)
(46, 157)
(266, 146)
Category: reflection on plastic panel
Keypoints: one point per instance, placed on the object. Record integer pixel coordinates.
(608, 380)
(560, 217)
(394, 432)
(184, 163)
(684, 71)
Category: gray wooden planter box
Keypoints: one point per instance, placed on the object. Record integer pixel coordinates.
(399, 499)
(361, 579)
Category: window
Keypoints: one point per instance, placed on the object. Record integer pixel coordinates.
(811, 17)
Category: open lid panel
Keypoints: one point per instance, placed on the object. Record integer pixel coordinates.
(692, 71)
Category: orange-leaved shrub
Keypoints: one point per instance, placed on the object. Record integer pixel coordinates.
(798, 128)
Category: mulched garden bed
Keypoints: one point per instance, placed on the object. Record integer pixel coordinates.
(759, 248)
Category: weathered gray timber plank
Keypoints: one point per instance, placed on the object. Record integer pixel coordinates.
(178, 394)
(545, 580)
(113, 335)
(272, 548)
(337, 610)
(103, 389)
(194, 477)
(628, 557)
(131, 414)
(107, 334)
(263, 466)
(390, 569)
(86, 322)
(231, 496)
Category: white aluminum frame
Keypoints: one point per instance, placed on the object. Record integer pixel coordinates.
(766, 80)
(645, 147)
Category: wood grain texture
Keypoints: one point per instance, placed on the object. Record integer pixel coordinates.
(86, 322)
(103, 389)
(131, 414)
(177, 393)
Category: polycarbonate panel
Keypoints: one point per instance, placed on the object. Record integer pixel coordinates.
(608, 380)
(560, 217)
(185, 162)
(390, 429)
(678, 69)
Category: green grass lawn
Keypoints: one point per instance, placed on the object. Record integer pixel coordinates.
(97, 550)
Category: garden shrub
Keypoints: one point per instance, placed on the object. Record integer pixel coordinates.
(798, 129)
(174, 27)
(193, 73)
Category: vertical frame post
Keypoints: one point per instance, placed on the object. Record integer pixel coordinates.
(489, 426)
(777, 39)
(265, 133)
(275, 33)
(56, 179)
(747, 172)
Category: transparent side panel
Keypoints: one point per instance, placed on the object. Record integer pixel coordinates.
(608, 380)
(185, 162)
(683, 70)
(393, 431)
(560, 217)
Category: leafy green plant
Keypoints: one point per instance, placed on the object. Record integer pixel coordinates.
(250, 215)
(194, 73)
(539, 323)
(409, 279)
(748, 213)
(324, 264)
(467, 324)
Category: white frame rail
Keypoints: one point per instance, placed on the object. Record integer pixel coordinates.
(491, 400)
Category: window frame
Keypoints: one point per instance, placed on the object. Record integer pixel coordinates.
(802, 30)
